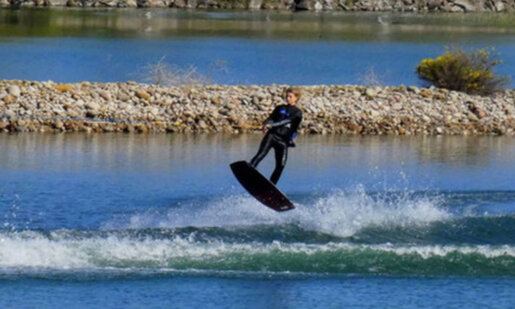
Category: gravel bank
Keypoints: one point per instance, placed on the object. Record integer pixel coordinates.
(455, 6)
(27, 106)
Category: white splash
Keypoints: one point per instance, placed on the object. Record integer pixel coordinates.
(32, 250)
(338, 213)
(344, 214)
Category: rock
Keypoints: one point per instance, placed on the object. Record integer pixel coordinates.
(414, 89)
(465, 5)
(499, 6)
(63, 87)
(4, 123)
(7, 99)
(426, 93)
(10, 113)
(143, 3)
(477, 111)
(131, 3)
(456, 9)
(92, 113)
(142, 128)
(92, 106)
(434, 5)
(179, 4)
(58, 124)
(371, 93)
(255, 4)
(105, 95)
(122, 96)
(191, 4)
(14, 91)
(142, 94)
(374, 114)
(154, 111)
(397, 106)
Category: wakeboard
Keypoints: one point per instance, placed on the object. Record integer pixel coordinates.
(260, 187)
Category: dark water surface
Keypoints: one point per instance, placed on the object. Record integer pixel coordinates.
(241, 47)
(158, 220)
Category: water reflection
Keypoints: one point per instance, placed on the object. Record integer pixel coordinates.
(467, 151)
(158, 152)
(198, 164)
(163, 23)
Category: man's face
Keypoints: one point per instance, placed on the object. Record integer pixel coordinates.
(291, 98)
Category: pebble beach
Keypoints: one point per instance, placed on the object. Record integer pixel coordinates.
(29, 106)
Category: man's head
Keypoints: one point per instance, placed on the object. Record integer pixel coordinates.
(292, 95)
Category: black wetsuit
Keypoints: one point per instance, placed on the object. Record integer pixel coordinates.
(284, 121)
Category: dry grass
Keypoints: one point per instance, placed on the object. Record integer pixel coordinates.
(164, 74)
(371, 78)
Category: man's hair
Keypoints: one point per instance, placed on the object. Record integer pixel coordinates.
(295, 90)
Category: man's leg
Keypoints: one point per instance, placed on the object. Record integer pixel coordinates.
(264, 148)
(281, 155)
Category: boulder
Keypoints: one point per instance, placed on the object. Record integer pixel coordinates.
(92, 106)
(4, 123)
(465, 5)
(318, 6)
(499, 6)
(14, 90)
(191, 4)
(142, 94)
(255, 4)
(105, 95)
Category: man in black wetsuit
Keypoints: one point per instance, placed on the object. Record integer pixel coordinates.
(280, 130)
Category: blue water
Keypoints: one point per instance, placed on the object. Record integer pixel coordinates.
(247, 61)
(238, 48)
(159, 221)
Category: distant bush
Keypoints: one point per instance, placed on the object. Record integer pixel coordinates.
(462, 71)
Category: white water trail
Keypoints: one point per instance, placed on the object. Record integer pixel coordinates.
(34, 250)
(338, 213)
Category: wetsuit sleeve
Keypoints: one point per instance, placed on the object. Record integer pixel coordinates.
(270, 118)
(280, 123)
(296, 119)
(292, 118)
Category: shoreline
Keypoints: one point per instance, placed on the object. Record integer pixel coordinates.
(30, 106)
(413, 6)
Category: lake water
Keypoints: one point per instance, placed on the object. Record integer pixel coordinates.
(241, 47)
(159, 221)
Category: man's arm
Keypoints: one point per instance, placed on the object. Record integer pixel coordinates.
(269, 120)
(279, 123)
(269, 123)
(296, 120)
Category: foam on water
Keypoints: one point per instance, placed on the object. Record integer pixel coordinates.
(344, 214)
(29, 250)
(338, 213)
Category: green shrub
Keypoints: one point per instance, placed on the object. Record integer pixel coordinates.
(462, 71)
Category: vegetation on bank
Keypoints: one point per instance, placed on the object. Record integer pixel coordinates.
(467, 72)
